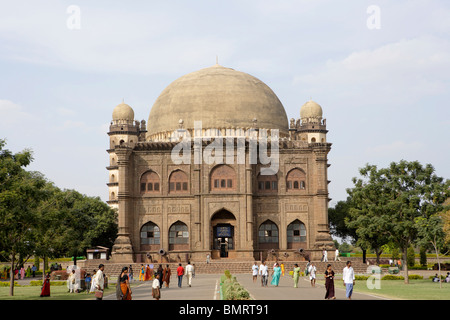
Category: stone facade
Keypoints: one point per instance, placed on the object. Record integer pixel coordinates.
(173, 212)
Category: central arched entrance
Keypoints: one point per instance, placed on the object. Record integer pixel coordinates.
(223, 224)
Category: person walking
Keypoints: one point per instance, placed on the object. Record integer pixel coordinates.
(45, 292)
(156, 292)
(255, 272)
(312, 274)
(329, 283)
(296, 275)
(348, 277)
(264, 272)
(208, 257)
(276, 275)
(180, 273)
(71, 282)
(87, 281)
(166, 275)
(160, 272)
(142, 273)
(99, 280)
(130, 273)
(123, 290)
(336, 255)
(189, 273)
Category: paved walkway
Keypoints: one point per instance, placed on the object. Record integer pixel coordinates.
(206, 286)
(286, 290)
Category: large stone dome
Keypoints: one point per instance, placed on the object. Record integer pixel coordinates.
(219, 97)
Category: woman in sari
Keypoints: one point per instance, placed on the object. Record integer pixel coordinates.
(123, 290)
(296, 275)
(329, 283)
(148, 273)
(276, 275)
(45, 292)
(166, 275)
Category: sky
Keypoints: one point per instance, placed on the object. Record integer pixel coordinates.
(379, 69)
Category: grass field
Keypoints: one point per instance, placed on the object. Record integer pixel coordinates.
(416, 289)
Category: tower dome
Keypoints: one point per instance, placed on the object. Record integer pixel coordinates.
(123, 112)
(220, 98)
(311, 109)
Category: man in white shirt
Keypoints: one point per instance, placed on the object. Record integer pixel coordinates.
(336, 255)
(264, 272)
(156, 290)
(255, 270)
(312, 274)
(189, 273)
(99, 280)
(348, 276)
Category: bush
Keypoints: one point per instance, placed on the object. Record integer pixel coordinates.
(6, 284)
(392, 277)
(231, 289)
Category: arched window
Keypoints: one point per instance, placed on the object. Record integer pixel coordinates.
(178, 182)
(150, 234)
(150, 182)
(296, 233)
(223, 177)
(295, 180)
(268, 235)
(178, 236)
(267, 183)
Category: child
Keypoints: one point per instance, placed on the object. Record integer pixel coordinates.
(87, 281)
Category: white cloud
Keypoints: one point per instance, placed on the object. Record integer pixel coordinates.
(12, 114)
(400, 72)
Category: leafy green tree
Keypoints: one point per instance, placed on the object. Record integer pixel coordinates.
(20, 194)
(337, 219)
(431, 231)
(87, 221)
(407, 191)
(367, 210)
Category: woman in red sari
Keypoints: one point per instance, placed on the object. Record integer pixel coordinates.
(45, 292)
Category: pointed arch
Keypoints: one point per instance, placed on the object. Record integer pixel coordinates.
(268, 235)
(296, 234)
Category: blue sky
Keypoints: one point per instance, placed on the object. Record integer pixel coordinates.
(384, 92)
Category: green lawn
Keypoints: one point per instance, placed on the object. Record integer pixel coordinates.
(415, 290)
(56, 293)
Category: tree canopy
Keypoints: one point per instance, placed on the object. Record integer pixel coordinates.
(37, 218)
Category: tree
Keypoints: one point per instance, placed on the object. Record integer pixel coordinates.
(337, 219)
(86, 221)
(387, 202)
(20, 194)
(431, 230)
(413, 191)
(368, 206)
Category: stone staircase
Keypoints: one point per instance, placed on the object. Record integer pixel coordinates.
(219, 266)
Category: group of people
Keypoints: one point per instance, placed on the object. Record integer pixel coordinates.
(348, 276)
(95, 284)
(436, 278)
(160, 277)
(19, 273)
(325, 255)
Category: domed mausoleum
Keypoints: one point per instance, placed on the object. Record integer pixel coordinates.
(219, 169)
